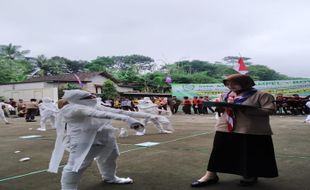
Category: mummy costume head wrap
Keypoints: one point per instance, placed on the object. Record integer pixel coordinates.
(146, 104)
(47, 100)
(80, 97)
(146, 100)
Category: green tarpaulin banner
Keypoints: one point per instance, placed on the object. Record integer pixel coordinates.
(286, 87)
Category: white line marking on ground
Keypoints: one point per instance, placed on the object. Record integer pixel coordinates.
(130, 150)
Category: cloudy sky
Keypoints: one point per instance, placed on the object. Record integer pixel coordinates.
(273, 33)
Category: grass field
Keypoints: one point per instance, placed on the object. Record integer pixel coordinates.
(180, 157)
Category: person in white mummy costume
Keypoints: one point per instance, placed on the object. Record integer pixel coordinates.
(156, 119)
(147, 106)
(48, 111)
(88, 134)
(2, 116)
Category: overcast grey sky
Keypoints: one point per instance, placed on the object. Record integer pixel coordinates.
(273, 33)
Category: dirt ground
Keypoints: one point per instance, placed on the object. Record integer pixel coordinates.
(180, 157)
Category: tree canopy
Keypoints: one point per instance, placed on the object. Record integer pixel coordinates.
(129, 69)
(108, 90)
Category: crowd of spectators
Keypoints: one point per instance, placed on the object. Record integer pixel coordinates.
(286, 105)
(292, 105)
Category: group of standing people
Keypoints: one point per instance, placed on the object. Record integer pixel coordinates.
(131, 104)
(291, 105)
(198, 104)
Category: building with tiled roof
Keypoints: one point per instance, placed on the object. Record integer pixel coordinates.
(84, 77)
(52, 86)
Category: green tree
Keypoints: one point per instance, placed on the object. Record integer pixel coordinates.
(141, 63)
(14, 70)
(53, 66)
(154, 82)
(262, 72)
(108, 90)
(130, 75)
(75, 66)
(57, 65)
(100, 64)
(42, 65)
(202, 77)
(12, 52)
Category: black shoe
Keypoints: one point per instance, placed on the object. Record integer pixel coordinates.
(250, 182)
(205, 183)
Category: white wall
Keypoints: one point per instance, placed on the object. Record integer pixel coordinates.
(99, 80)
(26, 91)
(123, 89)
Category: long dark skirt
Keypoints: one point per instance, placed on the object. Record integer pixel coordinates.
(243, 154)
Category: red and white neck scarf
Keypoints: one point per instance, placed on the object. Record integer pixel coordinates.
(230, 116)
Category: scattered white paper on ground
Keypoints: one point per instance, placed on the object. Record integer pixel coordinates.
(30, 128)
(17, 151)
(30, 136)
(24, 159)
(148, 144)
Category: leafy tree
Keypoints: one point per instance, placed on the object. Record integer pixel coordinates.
(100, 64)
(12, 52)
(129, 75)
(137, 69)
(41, 65)
(142, 63)
(202, 78)
(75, 66)
(57, 65)
(262, 72)
(155, 82)
(14, 70)
(193, 66)
(181, 78)
(53, 66)
(108, 90)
